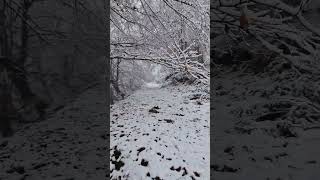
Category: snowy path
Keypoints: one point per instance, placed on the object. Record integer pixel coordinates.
(70, 145)
(170, 142)
(248, 147)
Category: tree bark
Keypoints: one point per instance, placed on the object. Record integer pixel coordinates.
(20, 79)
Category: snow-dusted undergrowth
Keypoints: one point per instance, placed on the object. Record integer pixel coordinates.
(161, 133)
(266, 125)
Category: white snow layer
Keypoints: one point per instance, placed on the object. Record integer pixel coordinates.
(152, 85)
(171, 142)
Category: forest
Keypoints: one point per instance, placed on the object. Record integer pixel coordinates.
(160, 76)
(199, 89)
(171, 34)
(52, 52)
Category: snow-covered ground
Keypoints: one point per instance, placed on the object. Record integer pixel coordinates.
(161, 133)
(151, 85)
(70, 145)
(260, 132)
(170, 142)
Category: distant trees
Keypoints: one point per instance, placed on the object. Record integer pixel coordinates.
(15, 32)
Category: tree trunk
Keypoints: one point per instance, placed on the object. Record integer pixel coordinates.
(5, 96)
(20, 79)
(3, 32)
(6, 107)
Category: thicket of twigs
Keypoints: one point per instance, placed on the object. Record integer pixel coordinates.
(172, 33)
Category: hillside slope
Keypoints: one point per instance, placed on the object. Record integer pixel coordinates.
(71, 144)
(265, 126)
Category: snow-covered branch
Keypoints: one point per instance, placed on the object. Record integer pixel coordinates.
(173, 33)
(280, 27)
